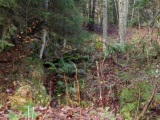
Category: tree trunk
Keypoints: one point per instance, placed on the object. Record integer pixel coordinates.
(44, 32)
(123, 12)
(92, 6)
(133, 9)
(43, 43)
(115, 12)
(104, 24)
(125, 15)
(93, 11)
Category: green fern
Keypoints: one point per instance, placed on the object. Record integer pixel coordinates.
(118, 48)
(52, 66)
(4, 44)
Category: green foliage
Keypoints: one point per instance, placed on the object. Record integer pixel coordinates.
(128, 109)
(107, 114)
(146, 51)
(13, 116)
(118, 48)
(65, 63)
(3, 41)
(4, 44)
(26, 111)
(131, 94)
(34, 71)
(7, 3)
(134, 22)
(133, 97)
(65, 67)
(52, 66)
(86, 104)
(40, 95)
(63, 18)
(60, 88)
(104, 114)
(61, 67)
(138, 78)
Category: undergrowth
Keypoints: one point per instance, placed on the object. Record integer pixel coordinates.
(29, 90)
(80, 80)
(138, 78)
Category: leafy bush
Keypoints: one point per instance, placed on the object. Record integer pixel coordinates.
(134, 97)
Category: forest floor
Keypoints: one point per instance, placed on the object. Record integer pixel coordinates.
(10, 64)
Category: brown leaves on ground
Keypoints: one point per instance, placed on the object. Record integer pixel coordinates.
(64, 113)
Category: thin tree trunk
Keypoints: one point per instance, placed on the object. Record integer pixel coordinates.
(92, 6)
(125, 15)
(43, 43)
(101, 13)
(93, 11)
(139, 24)
(104, 24)
(116, 11)
(89, 14)
(133, 9)
(123, 12)
(121, 32)
(44, 32)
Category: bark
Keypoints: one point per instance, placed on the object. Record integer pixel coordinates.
(123, 12)
(44, 33)
(125, 15)
(92, 6)
(139, 24)
(104, 24)
(101, 14)
(93, 11)
(43, 44)
(133, 9)
(115, 11)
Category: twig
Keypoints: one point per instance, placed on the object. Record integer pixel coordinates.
(99, 79)
(67, 93)
(51, 89)
(28, 113)
(78, 92)
(47, 109)
(43, 117)
(139, 97)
